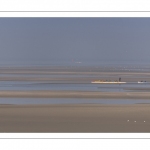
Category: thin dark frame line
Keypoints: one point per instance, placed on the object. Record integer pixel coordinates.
(77, 138)
(75, 11)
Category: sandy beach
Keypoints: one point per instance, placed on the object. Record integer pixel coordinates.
(75, 118)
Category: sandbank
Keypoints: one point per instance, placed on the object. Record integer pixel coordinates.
(75, 94)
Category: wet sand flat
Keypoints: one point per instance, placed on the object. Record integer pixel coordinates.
(88, 118)
(73, 118)
(75, 94)
(80, 74)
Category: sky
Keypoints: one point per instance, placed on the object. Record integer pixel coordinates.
(46, 40)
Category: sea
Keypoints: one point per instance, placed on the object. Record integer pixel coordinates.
(34, 85)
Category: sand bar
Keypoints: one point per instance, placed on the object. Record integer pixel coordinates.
(80, 74)
(75, 94)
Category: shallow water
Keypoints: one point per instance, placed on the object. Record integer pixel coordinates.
(19, 85)
(23, 101)
(41, 85)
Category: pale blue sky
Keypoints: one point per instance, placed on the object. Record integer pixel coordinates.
(83, 39)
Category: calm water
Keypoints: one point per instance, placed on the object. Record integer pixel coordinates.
(18, 85)
(20, 101)
(13, 85)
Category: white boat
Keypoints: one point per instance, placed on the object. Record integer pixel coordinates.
(108, 82)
